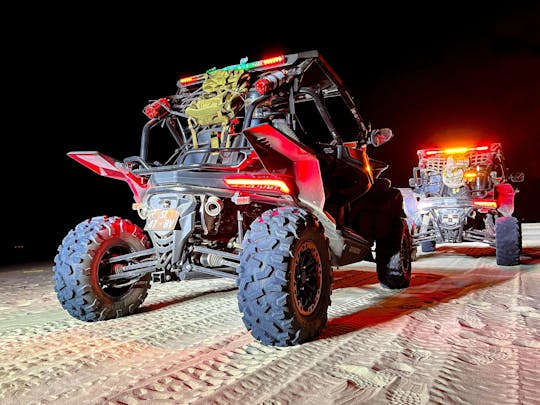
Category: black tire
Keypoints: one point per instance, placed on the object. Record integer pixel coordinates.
(507, 241)
(285, 277)
(78, 269)
(428, 246)
(394, 257)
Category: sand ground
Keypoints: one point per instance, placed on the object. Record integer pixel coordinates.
(466, 332)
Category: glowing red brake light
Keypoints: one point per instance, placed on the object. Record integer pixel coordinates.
(258, 184)
(270, 82)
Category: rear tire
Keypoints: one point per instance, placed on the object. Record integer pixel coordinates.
(507, 241)
(285, 277)
(394, 257)
(79, 269)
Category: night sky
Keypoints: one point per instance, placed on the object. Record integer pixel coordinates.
(437, 77)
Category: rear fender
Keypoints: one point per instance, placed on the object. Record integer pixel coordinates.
(109, 167)
(281, 154)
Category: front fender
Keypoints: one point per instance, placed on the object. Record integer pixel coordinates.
(504, 196)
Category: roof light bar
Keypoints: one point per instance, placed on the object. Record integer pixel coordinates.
(276, 60)
(455, 151)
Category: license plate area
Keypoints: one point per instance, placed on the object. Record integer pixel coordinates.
(161, 220)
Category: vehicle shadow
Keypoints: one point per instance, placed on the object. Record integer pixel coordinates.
(162, 304)
(529, 255)
(411, 299)
(426, 290)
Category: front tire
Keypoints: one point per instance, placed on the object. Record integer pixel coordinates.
(80, 268)
(394, 257)
(507, 241)
(285, 277)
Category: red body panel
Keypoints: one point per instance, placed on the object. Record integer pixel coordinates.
(280, 153)
(504, 195)
(109, 167)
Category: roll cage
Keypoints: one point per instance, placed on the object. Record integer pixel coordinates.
(305, 76)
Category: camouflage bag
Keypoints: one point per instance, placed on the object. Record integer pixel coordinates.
(222, 97)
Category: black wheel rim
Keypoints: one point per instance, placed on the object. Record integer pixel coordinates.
(307, 278)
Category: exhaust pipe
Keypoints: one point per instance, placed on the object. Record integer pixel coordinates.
(213, 206)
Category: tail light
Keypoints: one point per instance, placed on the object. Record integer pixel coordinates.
(485, 203)
(157, 109)
(270, 82)
(258, 184)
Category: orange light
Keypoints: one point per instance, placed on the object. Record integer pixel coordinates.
(487, 204)
(273, 61)
(192, 79)
(259, 184)
(432, 152)
(453, 151)
(470, 175)
(186, 80)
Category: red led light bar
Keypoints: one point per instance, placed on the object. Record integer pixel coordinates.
(258, 184)
(454, 151)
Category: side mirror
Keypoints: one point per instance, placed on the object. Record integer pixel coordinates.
(517, 177)
(377, 137)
